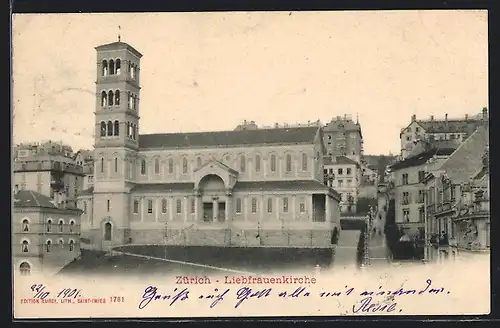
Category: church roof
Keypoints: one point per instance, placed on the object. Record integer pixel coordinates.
(290, 185)
(28, 198)
(119, 46)
(296, 135)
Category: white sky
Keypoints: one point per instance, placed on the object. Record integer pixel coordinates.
(210, 71)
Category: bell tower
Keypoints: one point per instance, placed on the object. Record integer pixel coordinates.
(116, 140)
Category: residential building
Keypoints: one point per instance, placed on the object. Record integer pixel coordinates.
(49, 169)
(407, 178)
(45, 235)
(458, 200)
(344, 175)
(86, 160)
(343, 137)
(454, 130)
(251, 187)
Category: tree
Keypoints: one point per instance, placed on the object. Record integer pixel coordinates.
(391, 230)
(360, 254)
(364, 203)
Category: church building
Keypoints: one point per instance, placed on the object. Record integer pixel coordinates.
(261, 187)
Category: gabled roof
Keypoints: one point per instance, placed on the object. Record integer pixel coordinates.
(339, 160)
(467, 159)
(119, 46)
(218, 163)
(421, 158)
(298, 135)
(450, 126)
(29, 198)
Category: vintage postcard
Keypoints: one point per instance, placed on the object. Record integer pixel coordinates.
(227, 164)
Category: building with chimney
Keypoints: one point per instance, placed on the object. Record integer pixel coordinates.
(458, 201)
(50, 169)
(248, 187)
(407, 186)
(45, 235)
(342, 137)
(452, 130)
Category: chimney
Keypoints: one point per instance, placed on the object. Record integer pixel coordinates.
(276, 125)
(432, 117)
(245, 122)
(413, 118)
(466, 117)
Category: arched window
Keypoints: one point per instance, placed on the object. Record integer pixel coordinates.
(118, 66)
(117, 97)
(104, 68)
(184, 165)
(116, 164)
(242, 163)
(178, 206)
(71, 245)
(132, 71)
(110, 128)
(273, 163)
(72, 226)
(25, 269)
(111, 67)
(103, 129)
(269, 205)
(257, 163)
(102, 165)
(134, 102)
(61, 225)
(129, 100)
(25, 246)
(143, 166)
(289, 163)
(117, 128)
(48, 245)
(107, 231)
(61, 243)
(104, 99)
(170, 165)
(134, 131)
(238, 205)
(198, 161)
(26, 225)
(304, 162)
(157, 166)
(49, 225)
(84, 207)
(128, 129)
(164, 206)
(110, 98)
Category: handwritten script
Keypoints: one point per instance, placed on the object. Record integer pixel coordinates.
(365, 299)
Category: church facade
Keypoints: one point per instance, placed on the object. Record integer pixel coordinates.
(259, 187)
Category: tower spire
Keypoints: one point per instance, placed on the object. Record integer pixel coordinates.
(357, 118)
(119, 34)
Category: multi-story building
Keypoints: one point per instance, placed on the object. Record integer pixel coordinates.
(49, 169)
(343, 137)
(86, 160)
(343, 175)
(457, 200)
(407, 178)
(244, 187)
(454, 130)
(45, 236)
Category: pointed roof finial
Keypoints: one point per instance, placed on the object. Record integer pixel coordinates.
(357, 118)
(119, 36)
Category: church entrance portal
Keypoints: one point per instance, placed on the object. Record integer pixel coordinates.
(213, 198)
